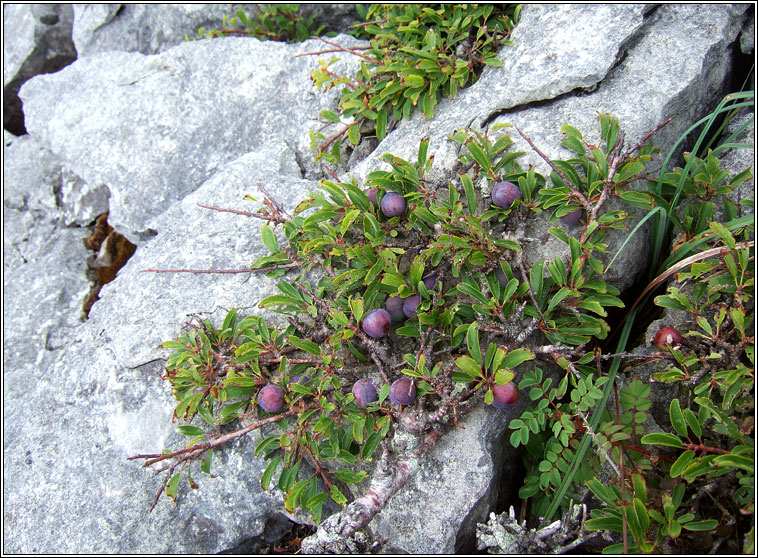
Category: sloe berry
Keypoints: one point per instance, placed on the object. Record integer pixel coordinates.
(364, 392)
(430, 281)
(410, 304)
(573, 217)
(377, 323)
(271, 398)
(393, 205)
(505, 193)
(403, 391)
(394, 305)
(371, 195)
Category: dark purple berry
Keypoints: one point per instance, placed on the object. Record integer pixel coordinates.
(505, 193)
(667, 336)
(377, 323)
(394, 305)
(429, 281)
(403, 391)
(410, 304)
(364, 392)
(393, 205)
(271, 398)
(572, 218)
(504, 396)
(371, 195)
(301, 379)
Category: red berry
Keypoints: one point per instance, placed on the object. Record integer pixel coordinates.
(667, 336)
(505, 396)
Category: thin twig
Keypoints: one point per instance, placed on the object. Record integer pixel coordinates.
(584, 201)
(256, 270)
(351, 51)
(198, 270)
(235, 211)
(327, 51)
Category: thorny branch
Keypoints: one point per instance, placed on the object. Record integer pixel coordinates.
(187, 455)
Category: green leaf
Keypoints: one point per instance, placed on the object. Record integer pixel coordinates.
(371, 444)
(337, 496)
(353, 134)
(189, 430)
(693, 422)
(640, 489)
(677, 418)
(515, 357)
(704, 525)
(739, 461)
(604, 524)
(469, 366)
(642, 514)
(557, 298)
(269, 472)
(357, 307)
(479, 155)
(304, 344)
(536, 277)
(468, 188)
(346, 475)
(205, 465)
(269, 239)
(329, 115)
(681, 463)
(662, 439)
(172, 486)
(290, 503)
(472, 340)
(381, 123)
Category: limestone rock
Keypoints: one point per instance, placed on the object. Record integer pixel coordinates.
(144, 28)
(153, 128)
(37, 41)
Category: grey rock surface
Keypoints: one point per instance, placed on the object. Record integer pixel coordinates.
(747, 38)
(153, 128)
(37, 41)
(205, 122)
(457, 484)
(144, 28)
(151, 29)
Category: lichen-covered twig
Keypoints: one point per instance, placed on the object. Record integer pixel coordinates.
(504, 534)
